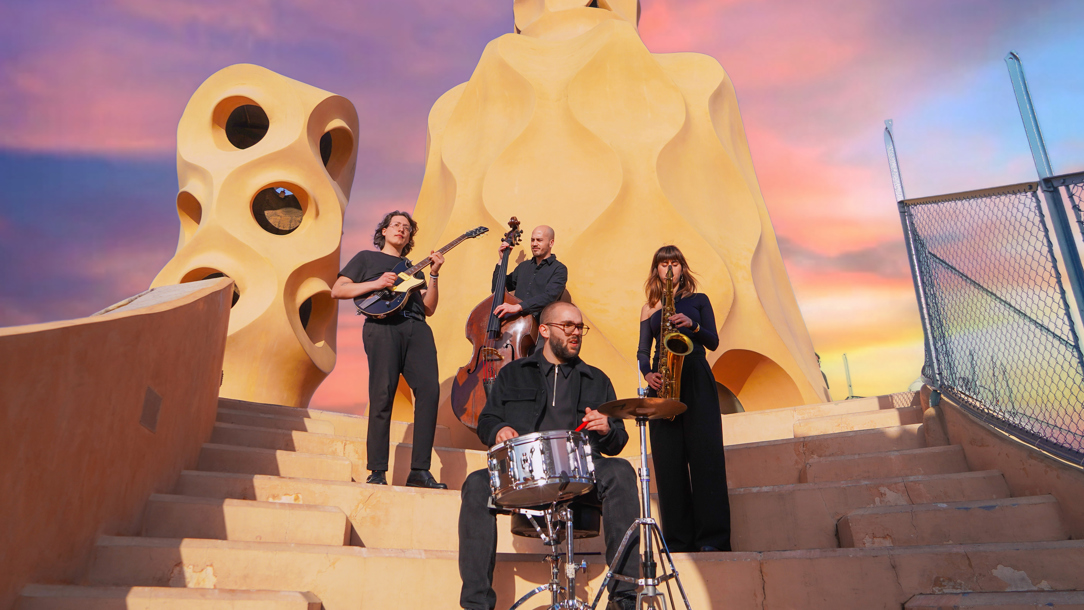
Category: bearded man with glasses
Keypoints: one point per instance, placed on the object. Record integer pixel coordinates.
(552, 389)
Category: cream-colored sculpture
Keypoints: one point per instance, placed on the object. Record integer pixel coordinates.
(573, 123)
(265, 164)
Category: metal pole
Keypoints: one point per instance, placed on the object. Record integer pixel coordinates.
(1059, 217)
(847, 370)
(1027, 114)
(893, 162)
(912, 255)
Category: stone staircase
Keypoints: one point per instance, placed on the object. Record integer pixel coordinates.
(842, 505)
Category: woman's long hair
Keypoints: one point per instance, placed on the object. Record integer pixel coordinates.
(653, 286)
(378, 237)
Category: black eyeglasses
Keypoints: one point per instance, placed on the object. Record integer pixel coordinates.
(567, 327)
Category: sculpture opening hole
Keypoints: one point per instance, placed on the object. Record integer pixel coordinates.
(277, 210)
(594, 4)
(325, 148)
(336, 146)
(246, 126)
(317, 313)
(304, 312)
(190, 212)
(728, 402)
(209, 274)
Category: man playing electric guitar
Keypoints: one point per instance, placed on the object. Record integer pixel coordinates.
(401, 343)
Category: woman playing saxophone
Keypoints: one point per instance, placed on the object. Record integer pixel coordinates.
(687, 451)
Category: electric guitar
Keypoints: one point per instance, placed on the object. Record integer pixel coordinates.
(385, 302)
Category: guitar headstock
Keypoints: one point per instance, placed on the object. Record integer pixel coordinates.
(513, 236)
(476, 232)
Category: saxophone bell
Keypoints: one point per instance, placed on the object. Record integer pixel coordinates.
(678, 344)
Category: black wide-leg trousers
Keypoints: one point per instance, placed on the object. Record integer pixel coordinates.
(615, 490)
(690, 467)
(401, 346)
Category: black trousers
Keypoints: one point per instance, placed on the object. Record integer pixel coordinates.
(690, 468)
(615, 490)
(401, 346)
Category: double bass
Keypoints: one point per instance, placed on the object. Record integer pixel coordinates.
(496, 342)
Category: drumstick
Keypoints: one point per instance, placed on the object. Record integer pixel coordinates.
(581, 427)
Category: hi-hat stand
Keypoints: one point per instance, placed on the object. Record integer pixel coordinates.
(651, 541)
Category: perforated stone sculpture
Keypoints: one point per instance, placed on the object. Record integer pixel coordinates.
(265, 164)
(573, 123)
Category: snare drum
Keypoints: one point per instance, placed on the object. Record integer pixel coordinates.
(541, 468)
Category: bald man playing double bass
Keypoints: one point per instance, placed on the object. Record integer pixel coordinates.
(537, 281)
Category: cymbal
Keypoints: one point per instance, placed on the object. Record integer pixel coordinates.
(651, 408)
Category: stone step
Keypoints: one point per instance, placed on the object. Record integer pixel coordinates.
(380, 516)
(865, 420)
(247, 460)
(804, 516)
(930, 460)
(246, 418)
(67, 597)
(759, 464)
(182, 516)
(1008, 600)
(775, 424)
(450, 466)
(780, 462)
(346, 424)
(1028, 519)
(836, 579)
(766, 518)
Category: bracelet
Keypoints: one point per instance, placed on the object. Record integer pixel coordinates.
(697, 328)
(434, 276)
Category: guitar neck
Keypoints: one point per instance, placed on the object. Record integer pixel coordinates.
(425, 263)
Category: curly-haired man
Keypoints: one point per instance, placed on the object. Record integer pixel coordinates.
(400, 344)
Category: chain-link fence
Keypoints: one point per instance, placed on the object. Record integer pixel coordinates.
(1073, 189)
(1001, 339)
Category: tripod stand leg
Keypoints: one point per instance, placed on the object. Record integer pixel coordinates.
(665, 550)
(650, 599)
(524, 599)
(635, 527)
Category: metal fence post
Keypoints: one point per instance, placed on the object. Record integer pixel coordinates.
(1059, 217)
(912, 260)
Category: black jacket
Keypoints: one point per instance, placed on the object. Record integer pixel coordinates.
(518, 397)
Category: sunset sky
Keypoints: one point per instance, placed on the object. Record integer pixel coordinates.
(91, 93)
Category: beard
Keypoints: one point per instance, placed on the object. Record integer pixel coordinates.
(563, 349)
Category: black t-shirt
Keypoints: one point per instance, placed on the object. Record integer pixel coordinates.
(368, 265)
(562, 393)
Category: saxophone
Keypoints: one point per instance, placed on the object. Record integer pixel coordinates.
(673, 346)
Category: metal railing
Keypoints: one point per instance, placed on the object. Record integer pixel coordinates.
(997, 313)
(1000, 286)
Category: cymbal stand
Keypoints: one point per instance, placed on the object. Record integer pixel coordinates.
(649, 595)
(556, 517)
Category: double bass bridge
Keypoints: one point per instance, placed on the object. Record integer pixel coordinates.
(491, 354)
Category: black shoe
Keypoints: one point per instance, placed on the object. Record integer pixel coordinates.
(376, 477)
(423, 478)
(707, 548)
(622, 603)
